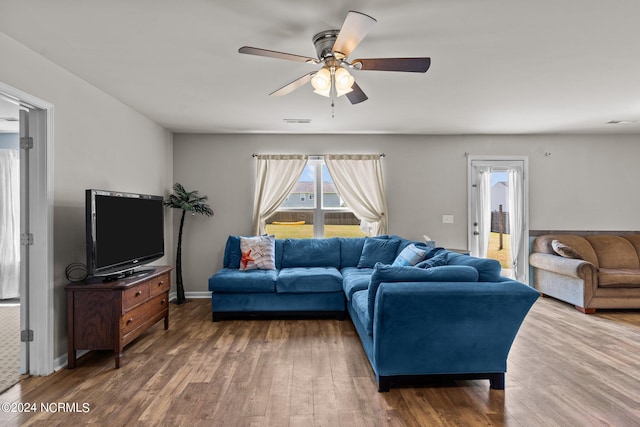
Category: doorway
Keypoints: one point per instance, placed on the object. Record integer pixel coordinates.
(27, 228)
(498, 212)
(10, 301)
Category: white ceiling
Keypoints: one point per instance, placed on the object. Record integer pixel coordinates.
(498, 66)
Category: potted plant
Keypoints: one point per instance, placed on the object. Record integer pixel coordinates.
(188, 201)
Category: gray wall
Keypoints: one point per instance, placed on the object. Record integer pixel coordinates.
(98, 143)
(587, 182)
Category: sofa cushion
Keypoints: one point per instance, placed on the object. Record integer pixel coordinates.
(387, 273)
(359, 303)
(378, 250)
(311, 253)
(403, 243)
(634, 239)
(350, 251)
(355, 279)
(565, 250)
(435, 261)
(488, 269)
(309, 280)
(619, 278)
(412, 254)
(614, 252)
(542, 244)
(232, 253)
(258, 253)
(232, 280)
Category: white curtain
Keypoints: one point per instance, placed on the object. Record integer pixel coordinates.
(9, 224)
(276, 176)
(358, 179)
(484, 210)
(516, 218)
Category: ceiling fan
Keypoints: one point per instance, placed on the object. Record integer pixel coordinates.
(333, 48)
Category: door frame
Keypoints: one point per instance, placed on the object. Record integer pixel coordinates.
(39, 311)
(471, 195)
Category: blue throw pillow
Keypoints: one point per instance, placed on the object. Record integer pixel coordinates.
(436, 261)
(311, 253)
(378, 250)
(489, 269)
(232, 254)
(411, 255)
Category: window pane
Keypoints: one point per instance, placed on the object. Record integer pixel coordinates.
(296, 225)
(303, 194)
(342, 224)
(330, 197)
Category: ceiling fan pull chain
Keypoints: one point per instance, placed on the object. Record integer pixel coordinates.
(333, 91)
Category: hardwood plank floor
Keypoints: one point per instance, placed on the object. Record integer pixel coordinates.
(565, 369)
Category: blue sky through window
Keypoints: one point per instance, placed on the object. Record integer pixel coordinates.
(308, 174)
(498, 177)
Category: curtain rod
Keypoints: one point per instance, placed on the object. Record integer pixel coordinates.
(316, 155)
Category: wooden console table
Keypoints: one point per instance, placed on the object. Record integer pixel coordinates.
(109, 315)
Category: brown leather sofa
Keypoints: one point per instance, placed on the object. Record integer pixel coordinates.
(605, 274)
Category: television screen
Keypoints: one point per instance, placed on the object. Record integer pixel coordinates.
(124, 230)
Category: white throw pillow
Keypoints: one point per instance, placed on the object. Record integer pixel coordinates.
(258, 253)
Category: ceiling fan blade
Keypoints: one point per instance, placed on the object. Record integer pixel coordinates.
(355, 26)
(413, 65)
(278, 55)
(290, 87)
(356, 96)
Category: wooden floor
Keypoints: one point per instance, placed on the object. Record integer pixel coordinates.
(565, 369)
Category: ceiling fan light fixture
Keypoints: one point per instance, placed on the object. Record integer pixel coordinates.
(344, 81)
(321, 82)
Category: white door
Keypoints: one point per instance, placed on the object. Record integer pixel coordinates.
(498, 195)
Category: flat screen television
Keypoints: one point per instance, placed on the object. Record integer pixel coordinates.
(123, 231)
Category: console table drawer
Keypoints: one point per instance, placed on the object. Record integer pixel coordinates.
(157, 305)
(159, 285)
(133, 319)
(134, 296)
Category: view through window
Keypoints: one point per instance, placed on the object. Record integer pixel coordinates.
(314, 208)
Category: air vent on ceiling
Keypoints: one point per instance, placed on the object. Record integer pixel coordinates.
(297, 121)
(621, 122)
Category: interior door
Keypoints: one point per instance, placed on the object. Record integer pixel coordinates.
(26, 238)
(499, 233)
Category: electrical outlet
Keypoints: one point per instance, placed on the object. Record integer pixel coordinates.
(447, 219)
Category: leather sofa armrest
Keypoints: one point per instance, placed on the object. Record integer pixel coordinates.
(578, 268)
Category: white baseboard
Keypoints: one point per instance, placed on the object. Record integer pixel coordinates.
(60, 362)
(192, 295)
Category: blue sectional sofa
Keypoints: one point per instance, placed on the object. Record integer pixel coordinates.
(450, 314)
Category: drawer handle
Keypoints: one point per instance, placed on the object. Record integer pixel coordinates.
(160, 283)
(138, 293)
(163, 301)
(130, 321)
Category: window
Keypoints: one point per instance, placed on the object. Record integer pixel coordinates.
(301, 216)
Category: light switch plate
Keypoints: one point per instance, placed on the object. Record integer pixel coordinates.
(447, 219)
